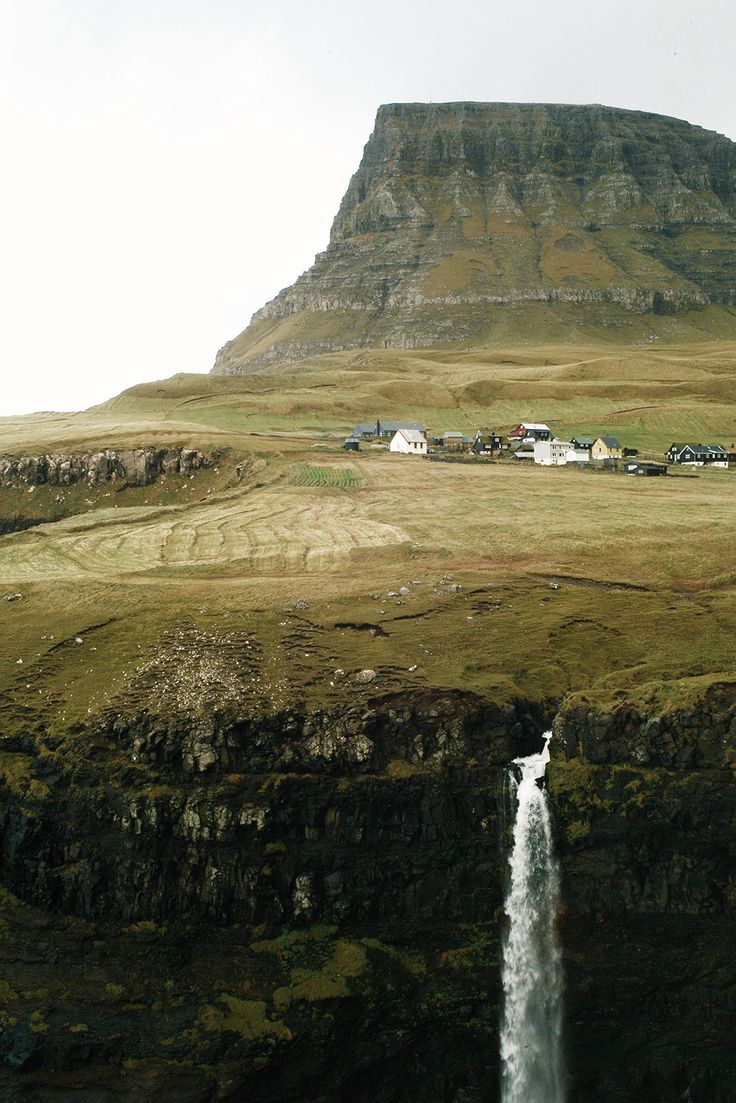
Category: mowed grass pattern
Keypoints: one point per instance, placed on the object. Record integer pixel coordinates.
(284, 529)
(310, 475)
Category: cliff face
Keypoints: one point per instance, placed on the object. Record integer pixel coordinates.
(133, 467)
(307, 904)
(283, 907)
(646, 804)
(466, 220)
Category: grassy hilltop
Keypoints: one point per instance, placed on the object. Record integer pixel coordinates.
(645, 566)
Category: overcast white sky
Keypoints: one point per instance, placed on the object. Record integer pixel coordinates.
(169, 165)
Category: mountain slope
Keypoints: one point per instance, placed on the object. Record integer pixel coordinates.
(472, 222)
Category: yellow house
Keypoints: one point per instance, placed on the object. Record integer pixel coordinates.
(606, 448)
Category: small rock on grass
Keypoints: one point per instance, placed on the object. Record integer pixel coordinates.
(365, 676)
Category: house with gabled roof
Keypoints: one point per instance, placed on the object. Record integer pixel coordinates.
(408, 442)
(529, 431)
(606, 448)
(385, 429)
(558, 453)
(698, 455)
(582, 442)
(388, 428)
(487, 442)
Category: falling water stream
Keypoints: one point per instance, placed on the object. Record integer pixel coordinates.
(531, 1026)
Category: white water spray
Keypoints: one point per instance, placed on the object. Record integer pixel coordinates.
(531, 1026)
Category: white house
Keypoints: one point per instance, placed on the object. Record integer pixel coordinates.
(557, 453)
(409, 442)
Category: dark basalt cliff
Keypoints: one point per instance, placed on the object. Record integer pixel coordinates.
(467, 222)
(307, 905)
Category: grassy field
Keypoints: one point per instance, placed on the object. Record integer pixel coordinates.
(209, 568)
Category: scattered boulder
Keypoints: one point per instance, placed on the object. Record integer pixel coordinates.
(12, 597)
(299, 604)
(365, 676)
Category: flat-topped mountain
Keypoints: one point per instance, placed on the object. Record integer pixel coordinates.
(488, 222)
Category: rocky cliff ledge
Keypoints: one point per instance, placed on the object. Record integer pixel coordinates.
(279, 907)
(645, 794)
(226, 903)
(477, 221)
(134, 467)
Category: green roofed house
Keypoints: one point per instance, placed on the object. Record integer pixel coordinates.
(582, 442)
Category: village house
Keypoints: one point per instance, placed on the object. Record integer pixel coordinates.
(524, 451)
(606, 448)
(583, 442)
(452, 440)
(558, 453)
(385, 429)
(365, 429)
(487, 443)
(529, 431)
(635, 467)
(408, 442)
(698, 455)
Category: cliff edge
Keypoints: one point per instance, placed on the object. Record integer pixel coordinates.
(485, 222)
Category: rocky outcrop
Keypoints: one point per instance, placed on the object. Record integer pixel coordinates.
(463, 217)
(230, 903)
(646, 808)
(372, 814)
(133, 467)
(289, 906)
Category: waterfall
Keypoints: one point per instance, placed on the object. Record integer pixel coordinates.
(531, 1025)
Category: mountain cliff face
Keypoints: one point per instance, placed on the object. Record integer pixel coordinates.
(472, 221)
(279, 908)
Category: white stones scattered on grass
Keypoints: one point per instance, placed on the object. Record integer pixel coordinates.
(412, 668)
(78, 640)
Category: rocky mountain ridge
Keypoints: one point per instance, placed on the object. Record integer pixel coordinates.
(467, 222)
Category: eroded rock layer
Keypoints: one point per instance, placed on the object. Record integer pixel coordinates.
(133, 467)
(474, 222)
